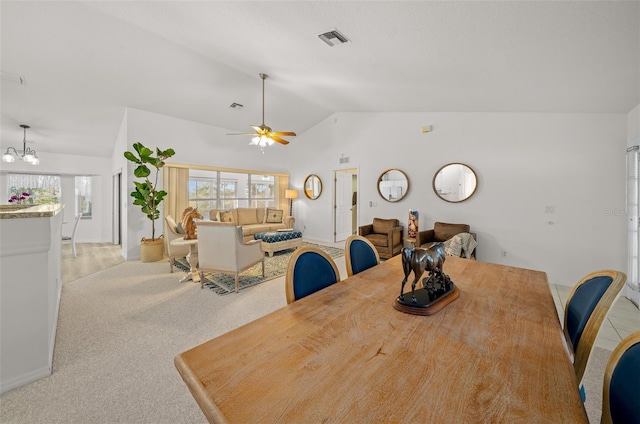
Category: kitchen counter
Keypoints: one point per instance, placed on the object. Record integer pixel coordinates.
(29, 211)
(30, 289)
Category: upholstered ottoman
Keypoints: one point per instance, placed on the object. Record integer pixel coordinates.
(275, 241)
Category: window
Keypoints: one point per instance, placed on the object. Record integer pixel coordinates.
(228, 190)
(263, 191)
(203, 193)
(42, 189)
(83, 196)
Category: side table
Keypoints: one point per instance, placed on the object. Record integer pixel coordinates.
(192, 257)
(411, 241)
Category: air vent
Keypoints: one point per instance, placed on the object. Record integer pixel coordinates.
(333, 38)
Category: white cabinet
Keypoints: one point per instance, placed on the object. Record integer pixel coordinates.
(30, 287)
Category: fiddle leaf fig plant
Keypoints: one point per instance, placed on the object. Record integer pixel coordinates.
(146, 195)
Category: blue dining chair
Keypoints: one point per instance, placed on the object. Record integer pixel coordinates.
(621, 389)
(310, 269)
(360, 254)
(587, 306)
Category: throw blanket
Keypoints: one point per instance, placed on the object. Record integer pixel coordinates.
(463, 242)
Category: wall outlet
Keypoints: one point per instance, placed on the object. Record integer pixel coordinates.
(549, 209)
(504, 253)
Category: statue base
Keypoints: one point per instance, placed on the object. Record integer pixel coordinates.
(424, 304)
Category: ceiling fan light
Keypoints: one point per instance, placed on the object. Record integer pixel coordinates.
(269, 141)
(254, 141)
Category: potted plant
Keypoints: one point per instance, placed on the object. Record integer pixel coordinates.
(147, 196)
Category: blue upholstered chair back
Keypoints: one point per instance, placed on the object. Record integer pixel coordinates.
(360, 254)
(621, 394)
(581, 305)
(310, 269)
(587, 307)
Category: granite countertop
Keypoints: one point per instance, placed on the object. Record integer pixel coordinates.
(29, 211)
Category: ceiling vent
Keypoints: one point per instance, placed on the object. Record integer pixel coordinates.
(333, 38)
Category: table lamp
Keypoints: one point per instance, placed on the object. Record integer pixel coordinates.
(291, 194)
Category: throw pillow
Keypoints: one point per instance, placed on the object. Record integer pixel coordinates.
(179, 229)
(274, 216)
(225, 216)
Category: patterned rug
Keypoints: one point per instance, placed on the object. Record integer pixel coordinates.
(274, 267)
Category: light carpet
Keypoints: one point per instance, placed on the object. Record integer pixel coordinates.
(274, 267)
(118, 332)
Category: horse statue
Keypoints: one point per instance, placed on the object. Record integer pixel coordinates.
(188, 225)
(420, 260)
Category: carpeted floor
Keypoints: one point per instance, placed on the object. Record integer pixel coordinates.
(119, 330)
(274, 267)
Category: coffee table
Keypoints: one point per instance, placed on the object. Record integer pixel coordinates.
(275, 241)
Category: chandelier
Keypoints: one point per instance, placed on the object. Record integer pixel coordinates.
(27, 154)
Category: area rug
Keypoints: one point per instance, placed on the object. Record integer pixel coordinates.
(274, 267)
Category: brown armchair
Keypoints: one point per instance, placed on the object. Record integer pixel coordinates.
(442, 232)
(385, 235)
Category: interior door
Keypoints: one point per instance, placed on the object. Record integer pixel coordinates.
(343, 204)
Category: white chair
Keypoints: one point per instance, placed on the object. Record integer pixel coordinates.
(72, 238)
(221, 249)
(171, 234)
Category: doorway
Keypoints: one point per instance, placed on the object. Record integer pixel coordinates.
(345, 204)
(117, 209)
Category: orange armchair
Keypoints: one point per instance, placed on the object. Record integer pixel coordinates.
(385, 235)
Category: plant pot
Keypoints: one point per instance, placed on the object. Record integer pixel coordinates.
(151, 250)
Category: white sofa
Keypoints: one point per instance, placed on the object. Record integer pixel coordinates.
(254, 220)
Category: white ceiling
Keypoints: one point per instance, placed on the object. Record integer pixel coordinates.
(84, 62)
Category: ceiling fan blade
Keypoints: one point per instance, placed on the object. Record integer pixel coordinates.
(241, 133)
(278, 139)
(285, 134)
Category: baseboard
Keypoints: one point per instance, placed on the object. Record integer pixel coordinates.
(27, 378)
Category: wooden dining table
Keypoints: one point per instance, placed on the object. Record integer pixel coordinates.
(496, 354)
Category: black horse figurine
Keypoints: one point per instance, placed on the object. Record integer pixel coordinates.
(420, 260)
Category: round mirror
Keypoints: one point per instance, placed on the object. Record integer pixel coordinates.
(393, 185)
(455, 182)
(313, 187)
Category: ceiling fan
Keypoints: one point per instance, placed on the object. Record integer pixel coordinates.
(263, 135)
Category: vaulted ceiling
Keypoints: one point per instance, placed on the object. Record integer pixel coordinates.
(84, 62)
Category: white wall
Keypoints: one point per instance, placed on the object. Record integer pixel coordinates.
(94, 230)
(633, 126)
(574, 163)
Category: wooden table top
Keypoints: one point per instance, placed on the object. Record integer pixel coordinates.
(344, 354)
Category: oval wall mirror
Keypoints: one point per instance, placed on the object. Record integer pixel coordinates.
(455, 182)
(393, 185)
(313, 186)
